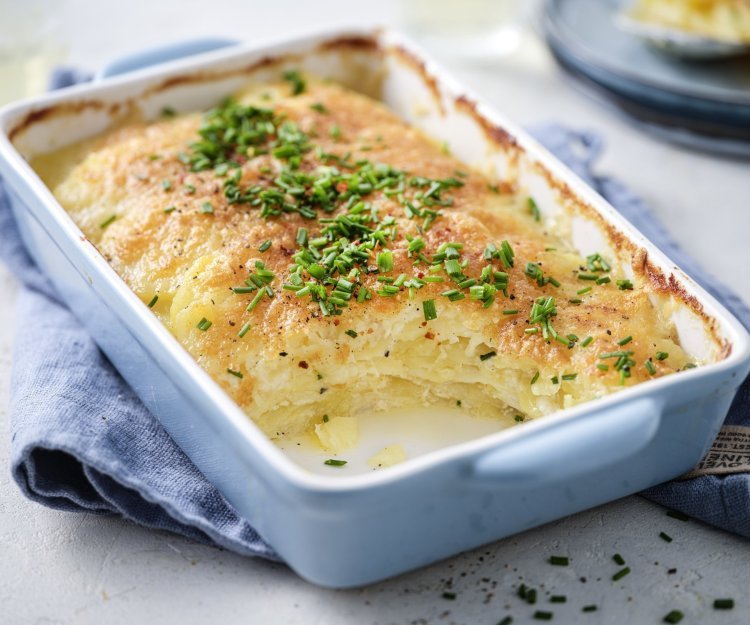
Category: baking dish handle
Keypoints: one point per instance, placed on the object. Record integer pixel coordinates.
(586, 445)
(162, 54)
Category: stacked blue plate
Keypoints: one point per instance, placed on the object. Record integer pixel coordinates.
(702, 104)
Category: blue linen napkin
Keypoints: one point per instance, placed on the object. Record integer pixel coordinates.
(82, 441)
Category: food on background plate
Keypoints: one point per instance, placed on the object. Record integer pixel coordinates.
(320, 259)
(723, 20)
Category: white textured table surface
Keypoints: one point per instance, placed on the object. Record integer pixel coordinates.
(72, 568)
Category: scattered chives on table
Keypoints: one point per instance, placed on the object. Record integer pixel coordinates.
(621, 573)
(723, 604)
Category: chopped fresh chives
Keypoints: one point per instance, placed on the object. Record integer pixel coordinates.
(575, 301)
(618, 559)
(453, 295)
(585, 290)
(518, 418)
(650, 367)
(488, 355)
(294, 78)
(204, 324)
(531, 596)
(244, 330)
(242, 290)
(153, 301)
(541, 615)
(625, 341)
(207, 208)
(534, 209)
(587, 341)
(319, 106)
(317, 271)
(166, 185)
(677, 515)
(570, 376)
(602, 367)
(388, 290)
(301, 237)
(385, 261)
(553, 282)
(236, 374)
(506, 621)
(265, 245)
(618, 354)
(588, 276)
(665, 537)
(662, 355)
(430, 312)
(170, 209)
(452, 267)
(449, 596)
(335, 132)
(331, 462)
(535, 378)
(624, 285)
(555, 380)
(589, 608)
(107, 221)
(512, 311)
(675, 616)
(352, 333)
(621, 573)
(256, 300)
(596, 262)
(531, 330)
(558, 599)
(604, 280)
(189, 189)
(559, 560)
(415, 245)
(325, 418)
(723, 604)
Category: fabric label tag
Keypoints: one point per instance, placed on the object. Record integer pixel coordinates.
(730, 453)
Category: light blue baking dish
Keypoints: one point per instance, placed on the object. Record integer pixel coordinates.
(347, 529)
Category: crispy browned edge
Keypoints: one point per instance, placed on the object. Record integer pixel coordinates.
(121, 108)
(642, 265)
(668, 285)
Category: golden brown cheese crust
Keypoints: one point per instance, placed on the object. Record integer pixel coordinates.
(191, 259)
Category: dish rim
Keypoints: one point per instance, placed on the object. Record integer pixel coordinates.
(172, 357)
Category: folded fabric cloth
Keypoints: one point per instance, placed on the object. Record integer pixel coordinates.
(82, 440)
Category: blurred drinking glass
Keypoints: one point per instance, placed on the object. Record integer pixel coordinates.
(471, 28)
(29, 47)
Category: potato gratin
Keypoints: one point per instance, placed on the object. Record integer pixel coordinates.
(320, 258)
(727, 20)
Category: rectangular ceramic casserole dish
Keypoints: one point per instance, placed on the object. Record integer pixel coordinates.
(349, 530)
